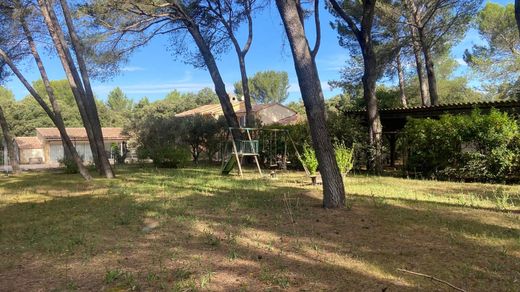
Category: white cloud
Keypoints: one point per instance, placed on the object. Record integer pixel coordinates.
(154, 88)
(132, 69)
(183, 84)
(165, 88)
(293, 87)
(187, 77)
(325, 86)
(333, 62)
(461, 62)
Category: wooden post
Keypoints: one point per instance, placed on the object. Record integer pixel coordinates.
(254, 152)
(284, 159)
(392, 138)
(224, 150)
(299, 156)
(235, 150)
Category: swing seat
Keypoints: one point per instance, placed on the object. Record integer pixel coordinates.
(247, 147)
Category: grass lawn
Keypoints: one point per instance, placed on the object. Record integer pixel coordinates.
(192, 229)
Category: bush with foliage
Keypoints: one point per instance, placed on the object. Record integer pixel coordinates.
(481, 147)
(69, 165)
(203, 134)
(160, 140)
(116, 153)
(170, 156)
(298, 133)
(343, 130)
(161, 136)
(153, 124)
(430, 143)
(344, 158)
(309, 159)
(349, 131)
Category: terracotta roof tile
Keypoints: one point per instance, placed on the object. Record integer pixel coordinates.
(202, 110)
(216, 109)
(28, 143)
(80, 133)
(209, 109)
(256, 108)
(291, 120)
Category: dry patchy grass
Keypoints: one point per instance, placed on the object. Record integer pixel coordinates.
(192, 229)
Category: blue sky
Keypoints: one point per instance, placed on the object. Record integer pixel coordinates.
(153, 71)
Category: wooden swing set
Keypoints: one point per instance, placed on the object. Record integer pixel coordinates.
(273, 148)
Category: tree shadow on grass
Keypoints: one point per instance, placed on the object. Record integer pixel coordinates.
(479, 196)
(366, 245)
(509, 207)
(168, 229)
(486, 192)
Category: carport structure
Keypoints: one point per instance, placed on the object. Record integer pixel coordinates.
(394, 119)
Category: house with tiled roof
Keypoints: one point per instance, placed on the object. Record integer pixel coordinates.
(270, 114)
(47, 148)
(267, 114)
(214, 110)
(30, 150)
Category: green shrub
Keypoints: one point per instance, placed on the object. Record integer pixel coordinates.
(118, 156)
(475, 147)
(350, 131)
(298, 133)
(346, 130)
(342, 130)
(309, 159)
(202, 133)
(344, 158)
(170, 156)
(142, 153)
(198, 134)
(69, 165)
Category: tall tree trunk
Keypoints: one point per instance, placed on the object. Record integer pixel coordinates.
(250, 119)
(89, 97)
(517, 14)
(369, 94)
(9, 141)
(430, 70)
(61, 128)
(423, 85)
(364, 38)
(72, 75)
(312, 95)
(241, 53)
(220, 87)
(402, 84)
(68, 147)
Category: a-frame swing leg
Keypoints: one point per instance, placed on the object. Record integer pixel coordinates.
(258, 165)
(224, 151)
(254, 152)
(284, 159)
(241, 162)
(236, 155)
(299, 156)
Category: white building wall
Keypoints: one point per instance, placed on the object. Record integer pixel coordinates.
(83, 148)
(31, 156)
